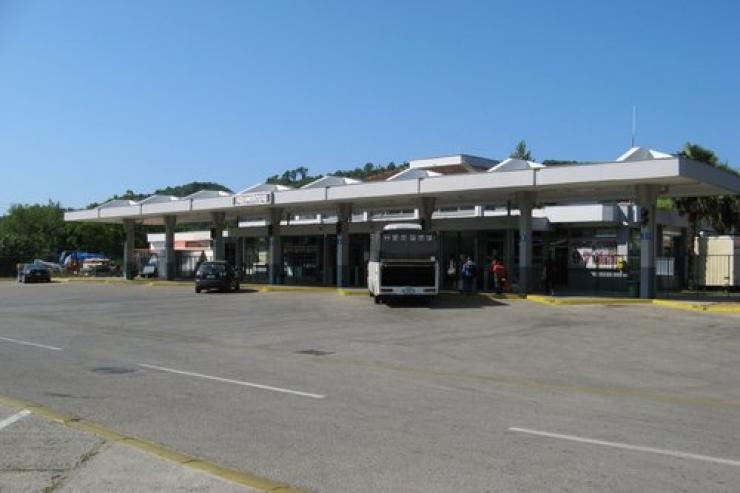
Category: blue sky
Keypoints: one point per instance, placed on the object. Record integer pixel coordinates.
(97, 97)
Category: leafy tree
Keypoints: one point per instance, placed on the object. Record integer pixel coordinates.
(28, 232)
(300, 176)
(722, 212)
(369, 170)
(522, 152)
(192, 187)
(296, 177)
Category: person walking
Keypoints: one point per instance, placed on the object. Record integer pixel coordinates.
(499, 275)
(451, 271)
(469, 272)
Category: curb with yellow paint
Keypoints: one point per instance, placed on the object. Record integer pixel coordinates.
(722, 307)
(152, 448)
(550, 300)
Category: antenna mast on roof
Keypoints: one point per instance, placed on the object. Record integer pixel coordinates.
(634, 124)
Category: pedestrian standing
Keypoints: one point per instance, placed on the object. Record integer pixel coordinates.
(451, 271)
(499, 275)
(469, 272)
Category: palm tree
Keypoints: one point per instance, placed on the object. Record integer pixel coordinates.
(722, 213)
(719, 212)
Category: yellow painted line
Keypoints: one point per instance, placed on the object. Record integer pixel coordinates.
(722, 307)
(503, 296)
(352, 292)
(551, 300)
(152, 448)
(170, 284)
(281, 288)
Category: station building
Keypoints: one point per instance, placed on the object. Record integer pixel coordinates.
(598, 222)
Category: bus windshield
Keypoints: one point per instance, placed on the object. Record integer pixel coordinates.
(412, 244)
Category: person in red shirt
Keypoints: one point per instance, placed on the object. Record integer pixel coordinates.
(499, 275)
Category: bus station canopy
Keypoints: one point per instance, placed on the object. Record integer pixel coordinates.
(670, 176)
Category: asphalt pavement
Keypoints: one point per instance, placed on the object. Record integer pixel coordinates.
(333, 393)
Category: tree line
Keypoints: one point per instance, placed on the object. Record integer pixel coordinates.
(38, 231)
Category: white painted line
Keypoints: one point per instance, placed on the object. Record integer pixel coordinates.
(626, 446)
(236, 382)
(34, 344)
(12, 419)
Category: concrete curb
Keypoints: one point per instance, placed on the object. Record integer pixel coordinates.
(550, 300)
(152, 448)
(729, 307)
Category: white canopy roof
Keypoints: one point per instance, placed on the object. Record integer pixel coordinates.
(158, 199)
(331, 181)
(265, 187)
(207, 194)
(641, 154)
(673, 176)
(512, 164)
(413, 173)
(116, 203)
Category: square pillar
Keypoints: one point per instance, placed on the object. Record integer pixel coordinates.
(167, 258)
(239, 257)
(218, 223)
(425, 209)
(326, 261)
(647, 199)
(129, 256)
(344, 213)
(275, 247)
(525, 203)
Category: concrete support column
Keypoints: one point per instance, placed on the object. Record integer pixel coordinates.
(218, 223)
(239, 257)
(129, 257)
(508, 253)
(275, 247)
(647, 199)
(525, 203)
(344, 213)
(326, 260)
(167, 264)
(425, 206)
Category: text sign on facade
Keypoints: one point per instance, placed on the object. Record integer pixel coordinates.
(264, 198)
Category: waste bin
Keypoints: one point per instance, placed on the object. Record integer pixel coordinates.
(633, 289)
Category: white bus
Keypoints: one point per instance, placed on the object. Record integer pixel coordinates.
(403, 262)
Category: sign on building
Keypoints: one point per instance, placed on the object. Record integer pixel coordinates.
(257, 198)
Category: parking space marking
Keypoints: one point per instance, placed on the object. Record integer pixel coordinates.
(12, 419)
(235, 382)
(34, 344)
(626, 446)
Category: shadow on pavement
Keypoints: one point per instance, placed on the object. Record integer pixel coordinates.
(444, 301)
(240, 291)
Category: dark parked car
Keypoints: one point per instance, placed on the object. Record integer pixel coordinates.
(34, 273)
(216, 275)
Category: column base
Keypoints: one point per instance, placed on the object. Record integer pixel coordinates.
(275, 275)
(527, 278)
(647, 282)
